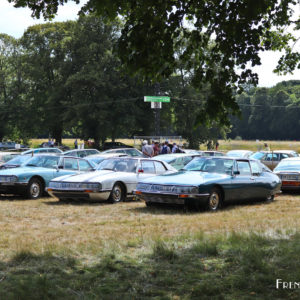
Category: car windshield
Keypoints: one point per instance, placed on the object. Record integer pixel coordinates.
(210, 165)
(257, 155)
(119, 165)
(166, 158)
(43, 161)
(96, 160)
(18, 160)
(288, 165)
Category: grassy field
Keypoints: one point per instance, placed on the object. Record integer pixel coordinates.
(53, 250)
(225, 145)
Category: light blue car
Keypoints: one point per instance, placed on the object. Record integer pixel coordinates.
(33, 177)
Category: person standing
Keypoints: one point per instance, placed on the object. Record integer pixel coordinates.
(156, 148)
(174, 148)
(76, 144)
(147, 149)
(166, 149)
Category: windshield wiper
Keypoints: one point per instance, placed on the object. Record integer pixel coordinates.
(106, 169)
(31, 165)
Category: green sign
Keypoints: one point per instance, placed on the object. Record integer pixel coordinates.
(156, 99)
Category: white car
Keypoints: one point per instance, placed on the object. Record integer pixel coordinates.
(114, 180)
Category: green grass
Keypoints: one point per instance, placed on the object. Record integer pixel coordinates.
(236, 266)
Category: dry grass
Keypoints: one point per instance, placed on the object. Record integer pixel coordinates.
(225, 145)
(51, 250)
(81, 229)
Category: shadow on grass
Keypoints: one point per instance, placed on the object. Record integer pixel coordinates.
(162, 208)
(235, 267)
(10, 197)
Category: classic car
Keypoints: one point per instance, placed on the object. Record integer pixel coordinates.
(210, 153)
(16, 161)
(81, 152)
(98, 158)
(114, 179)
(272, 158)
(211, 182)
(33, 177)
(114, 145)
(177, 160)
(288, 170)
(239, 153)
(127, 151)
(10, 145)
(42, 150)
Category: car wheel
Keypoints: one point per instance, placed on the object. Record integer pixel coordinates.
(215, 199)
(34, 189)
(117, 193)
(148, 203)
(270, 199)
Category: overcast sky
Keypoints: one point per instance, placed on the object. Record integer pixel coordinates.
(14, 21)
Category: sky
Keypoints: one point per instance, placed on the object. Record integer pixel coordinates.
(14, 21)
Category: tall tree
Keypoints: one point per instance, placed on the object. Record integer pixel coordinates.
(155, 29)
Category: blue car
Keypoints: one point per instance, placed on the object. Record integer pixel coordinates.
(211, 182)
(33, 177)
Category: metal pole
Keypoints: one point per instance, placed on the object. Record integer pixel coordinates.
(157, 111)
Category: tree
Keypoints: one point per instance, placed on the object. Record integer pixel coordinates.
(155, 29)
(46, 69)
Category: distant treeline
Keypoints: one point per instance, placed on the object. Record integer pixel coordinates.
(269, 113)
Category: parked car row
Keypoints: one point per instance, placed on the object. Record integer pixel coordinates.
(193, 178)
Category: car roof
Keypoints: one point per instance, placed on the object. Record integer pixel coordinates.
(241, 151)
(291, 158)
(278, 151)
(178, 155)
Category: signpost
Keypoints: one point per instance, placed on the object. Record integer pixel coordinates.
(156, 99)
(156, 104)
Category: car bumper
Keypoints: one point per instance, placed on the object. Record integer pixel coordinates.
(290, 185)
(13, 188)
(80, 195)
(170, 198)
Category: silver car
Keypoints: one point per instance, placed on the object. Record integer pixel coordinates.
(114, 180)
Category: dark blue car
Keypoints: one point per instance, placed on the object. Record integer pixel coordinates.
(211, 181)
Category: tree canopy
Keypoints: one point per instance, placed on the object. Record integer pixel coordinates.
(154, 30)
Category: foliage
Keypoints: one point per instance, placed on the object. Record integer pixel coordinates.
(154, 30)
(269, 113)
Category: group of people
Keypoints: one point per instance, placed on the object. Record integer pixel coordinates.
(156, 148)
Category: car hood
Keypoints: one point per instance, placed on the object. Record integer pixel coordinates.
(96, 176)
(185, 178)
(22, 170)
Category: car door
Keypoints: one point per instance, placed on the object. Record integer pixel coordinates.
(261, 186)
(271, 160)
(243, 183)
(68, 165)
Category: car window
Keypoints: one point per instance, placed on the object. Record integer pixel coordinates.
(159, 167)
(81, 153)
(284, 155)
(70, 164)
(243, 168)
(119, 151)
(132, 152)
(272, 157)
(41, 151)
(256, 168)
(84, 165)
(148, 167)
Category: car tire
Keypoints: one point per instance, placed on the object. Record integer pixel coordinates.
(117, 193)
(148, 203)
(214, 201)
(34, 189)
(270, 199)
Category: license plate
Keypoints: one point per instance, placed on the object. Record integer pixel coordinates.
(290, 177)
(295, 183)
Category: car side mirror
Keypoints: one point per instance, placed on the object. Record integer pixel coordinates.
(140, 171)
(60, 167)
(236, 173)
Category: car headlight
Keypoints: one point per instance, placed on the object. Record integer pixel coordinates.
(8, 179)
